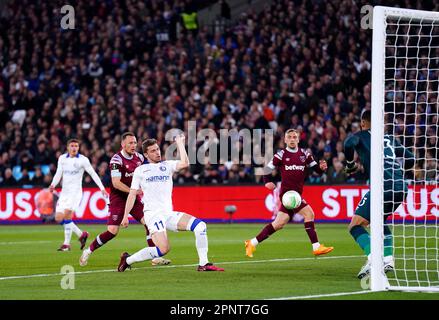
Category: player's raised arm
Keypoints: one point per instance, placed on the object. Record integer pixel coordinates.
(184, 159)
(57, 177)
(94, 176)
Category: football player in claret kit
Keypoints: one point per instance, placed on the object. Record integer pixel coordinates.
(71, 167)
(122, 166)
(292, 163)
(155, 180)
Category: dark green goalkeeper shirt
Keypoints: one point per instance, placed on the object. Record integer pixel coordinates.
(393, 150)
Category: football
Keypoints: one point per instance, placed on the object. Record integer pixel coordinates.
(291, 199)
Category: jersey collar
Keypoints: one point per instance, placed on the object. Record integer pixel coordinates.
(67, 156)
(293, 150)
(125, 155)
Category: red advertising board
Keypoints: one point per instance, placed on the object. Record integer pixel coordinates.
(253, 203)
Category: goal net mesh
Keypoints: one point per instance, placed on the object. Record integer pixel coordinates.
(411, 116)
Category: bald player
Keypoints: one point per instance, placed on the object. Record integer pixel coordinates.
(122, 166)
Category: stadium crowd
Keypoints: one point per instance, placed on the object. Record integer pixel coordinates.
(302, 64)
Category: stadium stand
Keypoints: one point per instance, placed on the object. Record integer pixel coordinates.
(303, 64)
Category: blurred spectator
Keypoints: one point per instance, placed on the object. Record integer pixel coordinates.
(8, 179)
(42, 155)
(38, 178)
(295, 64)
(336, 174)
(26, 161)
(25, 178)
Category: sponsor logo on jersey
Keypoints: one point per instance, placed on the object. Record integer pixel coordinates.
(127, 175)
(294, 167)
(157, 179)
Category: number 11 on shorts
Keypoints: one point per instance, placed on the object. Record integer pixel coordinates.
(157, 225)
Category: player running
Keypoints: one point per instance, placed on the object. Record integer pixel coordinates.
(291, 162)
(122, 166)
(71, 166)
(155, 180)
(395, 188)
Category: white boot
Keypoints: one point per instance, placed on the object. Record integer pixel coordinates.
(84, 257)
(365, 270)
(389, 264)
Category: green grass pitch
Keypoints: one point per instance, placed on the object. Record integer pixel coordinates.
(283, 266)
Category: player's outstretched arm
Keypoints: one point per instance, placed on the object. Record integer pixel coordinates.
(184, 159)
(119, 185)
(128, 207)
(57, 177)
(94, 176)
(268, 171)
(135, 186)
(323, 165)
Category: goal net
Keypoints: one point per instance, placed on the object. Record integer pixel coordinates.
(405, 81)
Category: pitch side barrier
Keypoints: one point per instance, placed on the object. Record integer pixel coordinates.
(254, 204)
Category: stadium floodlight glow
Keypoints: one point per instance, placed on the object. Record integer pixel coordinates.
(405, 81)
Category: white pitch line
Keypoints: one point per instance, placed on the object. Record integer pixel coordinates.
(23, 242)
(178, 266)
(322, 295)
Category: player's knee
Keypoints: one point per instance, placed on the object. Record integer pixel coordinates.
(357, 221)
(163, 249)
(308, 216)
(279, 225)
(113, 229)
(352, 224)
(199, 226)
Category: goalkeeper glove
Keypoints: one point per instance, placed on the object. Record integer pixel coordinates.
(351, 167)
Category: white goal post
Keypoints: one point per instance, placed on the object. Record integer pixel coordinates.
(405, 81)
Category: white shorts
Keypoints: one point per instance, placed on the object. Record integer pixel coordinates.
(68, 201)
(161, 221)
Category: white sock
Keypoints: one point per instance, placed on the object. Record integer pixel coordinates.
(254, 242)
(388, 259)
(201, 242)
(189, 224)
(315, 245)
(75, 229)
(67, 233)
(148, 253)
